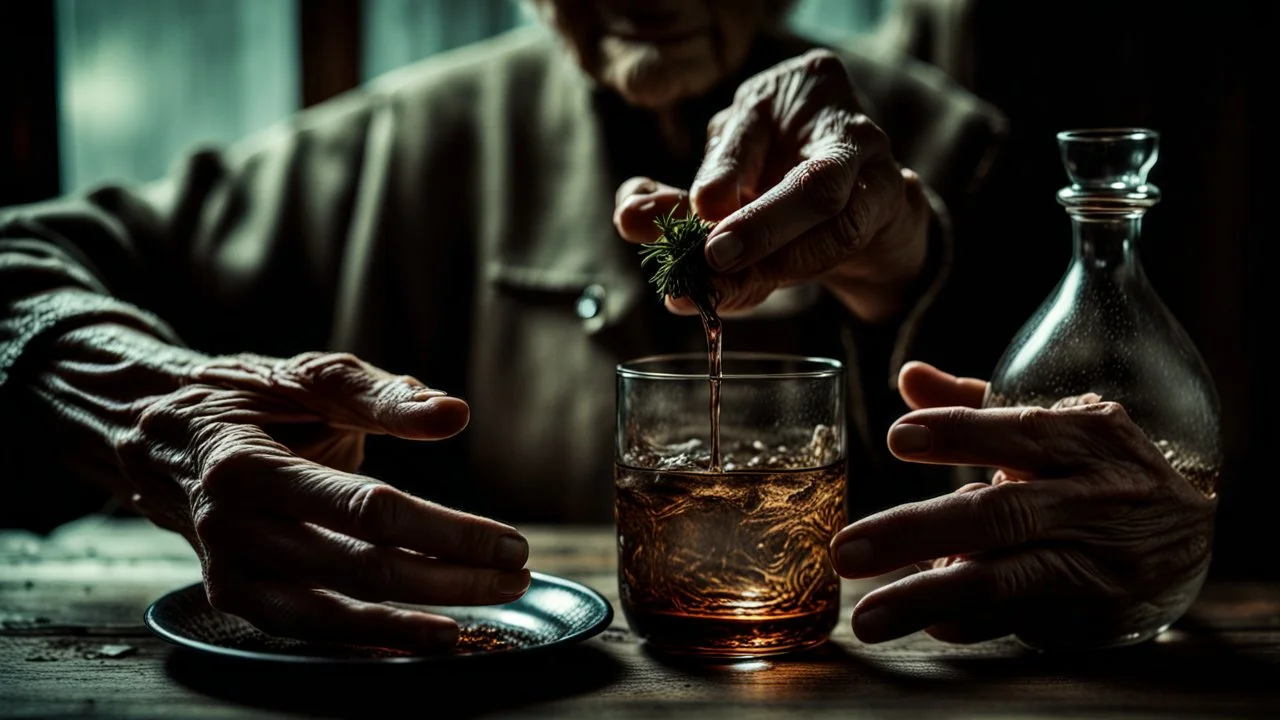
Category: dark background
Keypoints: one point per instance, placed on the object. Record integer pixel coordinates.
(1202, 74)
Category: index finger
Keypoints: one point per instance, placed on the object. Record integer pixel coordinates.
(982, 519)
(1024, 441)
(381, 514)
(247, 468)
(817, 189)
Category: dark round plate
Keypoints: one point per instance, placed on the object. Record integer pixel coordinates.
(553, 613)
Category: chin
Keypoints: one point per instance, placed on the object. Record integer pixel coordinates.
(654, 76)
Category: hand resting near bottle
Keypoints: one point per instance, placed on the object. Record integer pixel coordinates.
(1085, 534)
(253, 459)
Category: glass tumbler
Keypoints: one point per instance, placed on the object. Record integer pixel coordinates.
(730, 559)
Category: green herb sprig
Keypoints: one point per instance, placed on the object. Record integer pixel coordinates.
(682, 269)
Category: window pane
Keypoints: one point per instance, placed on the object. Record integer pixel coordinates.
(142, 81)
(836, 19)
(398, 32)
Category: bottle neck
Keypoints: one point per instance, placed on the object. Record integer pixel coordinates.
(1107, 242)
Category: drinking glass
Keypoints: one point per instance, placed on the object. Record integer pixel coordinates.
(730, 559)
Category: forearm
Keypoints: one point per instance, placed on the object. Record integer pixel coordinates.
(85, 388)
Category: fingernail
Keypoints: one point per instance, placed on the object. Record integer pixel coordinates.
(853, 556)
(874, 625)
(512, 551)
(513, 583)
(425, 395)
(725, 250)
(909, 439)
(442, 636)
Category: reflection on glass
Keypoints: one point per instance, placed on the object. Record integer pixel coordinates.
(142, 81)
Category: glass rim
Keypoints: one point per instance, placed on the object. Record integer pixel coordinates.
(1109, 134)
(825, 367)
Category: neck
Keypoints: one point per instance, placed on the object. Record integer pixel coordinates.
(1106, 242)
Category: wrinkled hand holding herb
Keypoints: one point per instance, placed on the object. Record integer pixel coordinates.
(800, 186)
(682, 271)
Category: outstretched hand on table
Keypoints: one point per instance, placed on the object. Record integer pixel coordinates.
(254, 460)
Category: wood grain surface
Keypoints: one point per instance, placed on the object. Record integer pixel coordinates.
(72, 642)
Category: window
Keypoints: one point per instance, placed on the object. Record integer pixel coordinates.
(141, 81)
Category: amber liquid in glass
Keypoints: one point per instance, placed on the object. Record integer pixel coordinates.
(729, 564)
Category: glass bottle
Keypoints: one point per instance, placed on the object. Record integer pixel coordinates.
(1105, 330)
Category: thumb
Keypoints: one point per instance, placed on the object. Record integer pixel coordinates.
(356, 395)
(924, 386)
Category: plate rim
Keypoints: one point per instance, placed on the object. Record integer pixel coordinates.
(162, 632)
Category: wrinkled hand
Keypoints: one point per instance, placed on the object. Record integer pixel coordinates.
(803, 187)
(254, 463)
(1085, 534)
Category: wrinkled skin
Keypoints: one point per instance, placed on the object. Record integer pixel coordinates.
(253, 460)
(1086, 535)
(802, 187)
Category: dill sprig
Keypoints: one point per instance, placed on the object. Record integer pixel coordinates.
(682, 269)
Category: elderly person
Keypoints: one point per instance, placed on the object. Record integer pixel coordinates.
(270, 350)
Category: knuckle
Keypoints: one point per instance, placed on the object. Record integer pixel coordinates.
(325, 368)
(377, 510)
(864, 133)
(1110, 414)
(1014, 580)
(477, 586)
(211, 525)
(305, 358)
(633, 187)
(956, 417)
(821, 61)
(171, 413)
(825, 184)
(225, 467)
(758, 92)
(131, 448)
(717, 123)
(1006, 515)
(475, 540)
(375, 571)
(849, 230)
(1032, 422)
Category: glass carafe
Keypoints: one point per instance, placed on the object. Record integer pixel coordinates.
(1105, 330)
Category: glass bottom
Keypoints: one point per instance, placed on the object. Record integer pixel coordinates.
(731, 637)
(1076, 642)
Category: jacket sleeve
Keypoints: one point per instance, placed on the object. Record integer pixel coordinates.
(233, 246)
(230, 242)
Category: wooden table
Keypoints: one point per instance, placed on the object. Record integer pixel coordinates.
(72, 642)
